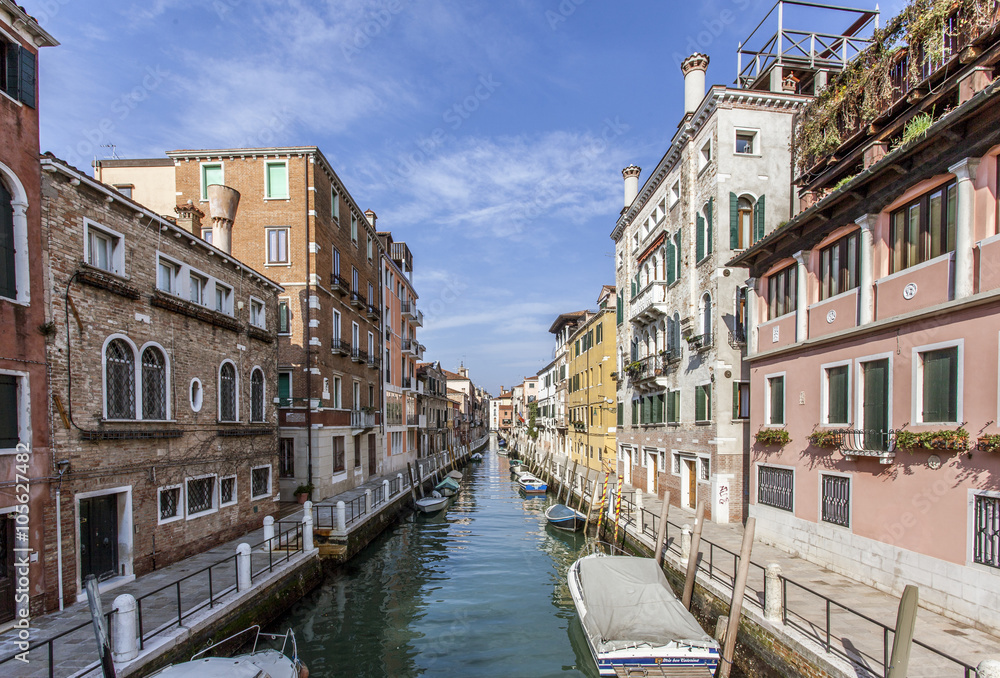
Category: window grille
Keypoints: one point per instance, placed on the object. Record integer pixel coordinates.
(227, 393)
(286, 457)
(154, 384)
(227, 490)
(257, 396)
(775, 487)
(169, 501)
(260, 481)
(986, 536)
(120, 380)
(199, 495)
(837, 500)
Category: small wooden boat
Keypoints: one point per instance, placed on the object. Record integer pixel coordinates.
(269, 662)
(448, 487)
(532, 485)
(563, 517)
(657, 631)
(456, 475)
(476, 457)
(432, 503)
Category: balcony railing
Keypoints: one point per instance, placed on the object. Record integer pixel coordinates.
(362, 419)
(338, 284)
(653, 366)
(700, 341)
(413, 420)
(372, 312)
(373, 362)
(359, 356)
(867, 443)
(340, 346)
(358, 300)
(410, 346)
(649, 304)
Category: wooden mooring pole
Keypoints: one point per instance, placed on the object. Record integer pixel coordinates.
(593, 502)
(569, 484)
(736, 607)
(413, 483)
(906, 620)
(661, 531)
(692, 569)
(583, 493)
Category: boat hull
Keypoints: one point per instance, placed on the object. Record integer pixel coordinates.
(431, 505)
(573, 522)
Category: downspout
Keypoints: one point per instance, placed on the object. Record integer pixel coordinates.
(308, 332)
(59, 550)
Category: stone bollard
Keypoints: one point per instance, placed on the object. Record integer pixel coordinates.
(988, 668)
(772, 593)
(685, 541)
(341, 517)
(268, 532)
(243, 567)
(400, 477)
(368, 500)
(638, 501)
(123, 632)
(420, 472)
(307, 531)
(385, 489)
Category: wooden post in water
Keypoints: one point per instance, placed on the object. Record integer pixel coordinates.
(583, 492)
(604, 501)
(661, 531)
(736, 606)
(413, 489)
(569, 484)
(590, 509)
(692, 571)
(618, 509)
(906, 619)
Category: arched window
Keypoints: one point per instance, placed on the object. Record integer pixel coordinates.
(744, 233)
(706, 316)
(8, 267)
(227, 392)
(257, 395)
(703, 236)
(154, 384)
(119, 380)
(676, 334)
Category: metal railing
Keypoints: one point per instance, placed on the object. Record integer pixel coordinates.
(362, 419)
(341, 346)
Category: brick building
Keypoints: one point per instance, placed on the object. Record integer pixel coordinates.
(163, 355)
(23, 402)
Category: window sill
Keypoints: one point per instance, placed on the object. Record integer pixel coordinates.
(259, 497)
(7, 96)
(285, 198)
(747, 155)
(167, 521)
(277, 264)
(915, 267)
(703, 423)
(228, 503)
(206, 512)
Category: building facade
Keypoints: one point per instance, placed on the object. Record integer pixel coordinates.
(432, 402)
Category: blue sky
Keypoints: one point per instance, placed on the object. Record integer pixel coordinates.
(490, 136)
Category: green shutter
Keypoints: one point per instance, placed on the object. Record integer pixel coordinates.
(621, 414)
(758, 219)
(677, 405)
(283, 317)
(680, 254)
(777, 401)
(13, 63)
(619, 318)
(736, 400)
(277, 180)
(26, 84)
(940, 387)
(734, 221)
(699, 403)
(8, 268)
(700, 238)
(635, 412)
(661, 401)
(671, 262)
(837, 395)
(284, 387)
(9, 435)
(708, 225)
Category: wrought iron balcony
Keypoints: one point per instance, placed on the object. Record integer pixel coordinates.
(372, 313)
(338, 284)
(373, 362)
(362, 419)
(867, 443)
(359, 356)
(699, 342)
(358, 300)
(341, 346)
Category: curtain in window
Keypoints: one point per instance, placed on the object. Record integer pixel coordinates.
(227, 393)
(120, 380)
(9, 410)
(154, 384)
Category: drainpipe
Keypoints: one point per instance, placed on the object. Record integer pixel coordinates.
(308, 337)
(59, 555)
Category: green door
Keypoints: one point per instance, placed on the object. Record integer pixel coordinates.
(876, 404)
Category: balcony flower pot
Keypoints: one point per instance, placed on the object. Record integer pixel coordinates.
(989, 443)
(825, 439)
(303, 492)
(944, 439)
(772, 436)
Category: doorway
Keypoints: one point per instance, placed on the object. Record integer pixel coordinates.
(99, 537)
(651, 465)
(7, 574)
(690, 483)
(372, 457)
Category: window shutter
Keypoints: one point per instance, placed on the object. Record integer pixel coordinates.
(9, 437)
(635, 412)
(660, 406)
(677, 405)
(680, 254)
(777, 401)
(13, 62)
(734, 221)
(633, 288)
(699, 403)
(708, 225)
(700, 238)
(671, 263)
(940, 385)
(758, 219)
(8, 278)
(621, 414)
(736, 400)
(26, 86)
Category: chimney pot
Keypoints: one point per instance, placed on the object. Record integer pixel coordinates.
(631, 174)
(372, 217)
(223, 202)
(694, 68)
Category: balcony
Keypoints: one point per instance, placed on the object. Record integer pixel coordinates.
(363, 420)
(372, 313)
(867, 443)
(700, 342)
(412, 420)
(420, 351)
(358, 300)
(338, 285)
(410, 347)
(650, 304)
(373, 363)
(644, 372)
(340, 347)
(359, 356)
(580, 426)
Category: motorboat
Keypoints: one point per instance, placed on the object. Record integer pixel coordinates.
(531, 484)
(456, 475)
(432, 503)
(563, 517)
(632, 619)
(448, 487)
(476, 457)
(258, 663)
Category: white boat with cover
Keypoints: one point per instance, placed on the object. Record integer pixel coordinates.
(267, 663)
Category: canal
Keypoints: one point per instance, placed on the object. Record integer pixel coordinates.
(478, 590)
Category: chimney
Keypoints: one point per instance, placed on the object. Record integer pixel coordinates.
(372, 218)
(631, 174)
(222, 205)
(694, 68)
(189, 217)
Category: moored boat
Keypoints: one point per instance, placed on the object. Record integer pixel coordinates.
(476, 457)
(456, 475)
(432, 503)
(531, 484)
(656, 631)
(565, 518)
(273, 663)
(448, 487)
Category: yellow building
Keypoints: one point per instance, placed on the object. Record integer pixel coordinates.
(590, 399)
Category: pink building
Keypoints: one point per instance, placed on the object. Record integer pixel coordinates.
(874, 334)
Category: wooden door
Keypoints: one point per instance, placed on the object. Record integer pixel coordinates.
(692, 479)
(99, 536)
(876, 404)
(7, 574)
(372, 457)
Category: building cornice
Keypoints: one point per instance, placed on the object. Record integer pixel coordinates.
(27, 26)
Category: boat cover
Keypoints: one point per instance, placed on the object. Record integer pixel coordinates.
(457, 475)
(562, 512)
(449, 483)
(629, 601)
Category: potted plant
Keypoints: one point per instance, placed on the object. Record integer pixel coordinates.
(772, 436)
(989, 442)
(369, 409)
(944, 439)
(825, 438)
(303, 492)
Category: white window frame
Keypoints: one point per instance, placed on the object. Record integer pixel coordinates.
(236, 491)
(859, 385)
(675, 463)
(206, 234)
(270, 482)
(334, 204)
(703, 161)
(267, 246)
(277, 396)
(181, 504)
(117, 254)
(215, 496)
(141, 386)
(194, 277)
(755, 479)
(824, 396)
(819, 500)
(201, 390)
(218, 389)
(258, 304)
(371, 248)
(711, 402)
(201, 175)
(704, 459)
(767, 399)
(917, 383)
(267, 180)
(337, 393)
(337, 324)
(675, 193)
(970, 549)
(227, 298)
(24, 409)
(19, 207)
(749, 391)
(176, 268)
(354, 228)
(742, 131)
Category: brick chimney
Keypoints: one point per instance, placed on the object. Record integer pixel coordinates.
(189, 217)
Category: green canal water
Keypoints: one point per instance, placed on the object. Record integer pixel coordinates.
(479, 590)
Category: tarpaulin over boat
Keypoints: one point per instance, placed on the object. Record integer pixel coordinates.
(629, 602)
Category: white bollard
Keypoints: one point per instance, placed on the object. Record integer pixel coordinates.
(307, 531)
(420, 472)
(368, 500)
(125, 623)
(341, 516)
(988, 668)
(385, 489)
(772, 592)
(400, 477)
(638, 501)
(243, 567)
(268, 532)
(685, 541)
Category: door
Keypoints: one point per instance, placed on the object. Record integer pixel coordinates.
(99, 536)
(692, 482)
(7, 575)
(876, 404)
(651, 472)
(372, 459)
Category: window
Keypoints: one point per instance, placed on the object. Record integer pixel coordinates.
(338, 454)
(260, 482)
(775, 487)
(741, 400)
(284, 317)
(706, 318)
(782, 288)
(746, 220)
(154, 384)
(227, 491)
(370, 248)
(14, 417)
(277, 245)
(839, 266)
(206, 235)
(119, 380)
(227, 392)
(277, 179)
(673, 407)
(335, 395)
(837, 500)
(924, 228)
(354, 228)
(257, 318)
(776, 400)
(284, 389)
(166, 276)
(200, 495)
(354, 279)
(104, 247)
(17, 72)
(703, 232)
(8, 260)
(746, 142)
(838, 394)
(986, 530)
(286, 458)
(223, 299)
(336, 328)
(938, 379)
(197, 395)
(334, 204)
(675, 464)
(675, 193)
(211, 173)
(356, 392)
(196, 288)
(124, 189)
(257, 395)
(170, 503)
(704, 469)
(706, 155)
(703, 402)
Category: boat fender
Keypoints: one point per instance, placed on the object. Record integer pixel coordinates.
(303, 670)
